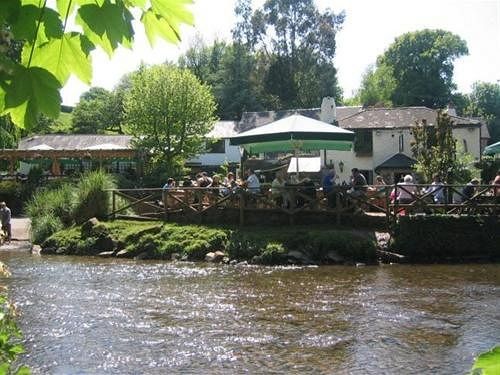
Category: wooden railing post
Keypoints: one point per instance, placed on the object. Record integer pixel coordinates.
(242, 207)
(338, 209)
(113, 198)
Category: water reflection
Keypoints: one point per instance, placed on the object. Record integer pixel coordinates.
(85, 315)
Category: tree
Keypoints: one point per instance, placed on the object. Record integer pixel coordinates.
(229, 70)
(97, 112)
(377, 87)
(435, 149)
(421, 63)
(298, 44)
(51, 53)
(485, 102)
(169, 112)
(416, 70)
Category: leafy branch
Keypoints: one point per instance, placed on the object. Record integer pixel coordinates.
(50, 54)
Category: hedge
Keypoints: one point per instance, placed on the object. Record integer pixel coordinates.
(442, 237)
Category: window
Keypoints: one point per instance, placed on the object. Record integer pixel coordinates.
(216, 146)
(401, 143)
(363, 142)
(464, 142)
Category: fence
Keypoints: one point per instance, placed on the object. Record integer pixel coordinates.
(299, 200)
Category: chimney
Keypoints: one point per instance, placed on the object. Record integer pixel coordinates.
(450, 109)
(328, 110)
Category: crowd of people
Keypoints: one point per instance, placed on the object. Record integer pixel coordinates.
(286, 191)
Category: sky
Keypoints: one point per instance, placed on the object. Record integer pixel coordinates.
(370, 27)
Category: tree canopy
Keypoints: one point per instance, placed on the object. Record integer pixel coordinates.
(98, 111)
(416, 70)
(169, 111)
(51, 53)
(484, 101)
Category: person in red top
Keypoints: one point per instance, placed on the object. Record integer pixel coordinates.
(496, 185)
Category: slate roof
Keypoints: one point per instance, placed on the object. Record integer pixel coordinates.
(402, 117)
(250, 120)
(397, 161)
(75, 141)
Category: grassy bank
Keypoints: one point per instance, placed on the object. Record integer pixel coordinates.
(158, 240)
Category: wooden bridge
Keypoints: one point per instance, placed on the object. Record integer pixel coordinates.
(372, 206)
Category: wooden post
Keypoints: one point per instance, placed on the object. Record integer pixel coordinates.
(242, 207)
(114, 205)
(337, 208)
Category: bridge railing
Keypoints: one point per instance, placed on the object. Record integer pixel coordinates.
(295, 199)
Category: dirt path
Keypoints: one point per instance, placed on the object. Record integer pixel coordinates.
(20, 235)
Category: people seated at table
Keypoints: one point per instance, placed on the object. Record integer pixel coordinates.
(328, 183)
(278, 191)
(469, 190)
(406, 190)
(306, 192)
(496, 186)
(358, 183)
(436, 190)
(252, 182)
(203, 180)
(168, 200)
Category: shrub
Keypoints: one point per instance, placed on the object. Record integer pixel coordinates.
(10, 334)
(92, 198)
(273, 253)
(56, 202)
(12, 193)
(44, 226)
(437, 237)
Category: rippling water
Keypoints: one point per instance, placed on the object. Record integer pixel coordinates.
(88, 316)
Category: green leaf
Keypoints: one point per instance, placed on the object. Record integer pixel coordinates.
(135, 3)
(32, 90)
(25, 25)
(158, 26)
(173, 10)
(4, 368)
(16, 349)
(488, 362)
(23, 370)
(65, 6)
(9, 10)
(107, 26)
(63, 56)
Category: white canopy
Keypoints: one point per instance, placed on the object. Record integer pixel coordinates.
(43, 146)
(311, 164)
(106, 146)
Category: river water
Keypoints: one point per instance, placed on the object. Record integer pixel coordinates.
(92, 316)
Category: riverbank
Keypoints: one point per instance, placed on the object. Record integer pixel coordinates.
(256, 245)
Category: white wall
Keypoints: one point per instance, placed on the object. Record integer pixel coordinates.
(232, 155)
(386, 144)
(472, 137)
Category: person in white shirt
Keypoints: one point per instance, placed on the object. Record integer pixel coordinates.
(252, 182)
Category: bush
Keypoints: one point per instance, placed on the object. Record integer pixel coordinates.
(92, 198)
(438, 237)
(44, 226)
(13, 193)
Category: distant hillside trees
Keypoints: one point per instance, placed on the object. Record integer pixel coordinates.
(484, 101)
(416, 70)
(281, 56)
(99, 111)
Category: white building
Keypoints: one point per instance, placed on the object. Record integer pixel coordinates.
(218, 150)
(383, 136)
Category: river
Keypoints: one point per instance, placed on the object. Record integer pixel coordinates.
(91, 316)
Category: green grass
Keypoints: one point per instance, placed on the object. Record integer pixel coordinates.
(158, 240)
